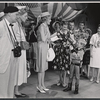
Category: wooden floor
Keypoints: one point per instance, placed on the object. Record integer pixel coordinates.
(87, 89)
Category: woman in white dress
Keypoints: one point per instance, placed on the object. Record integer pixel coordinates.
(43, 40)
(95, 54)
(22, 69)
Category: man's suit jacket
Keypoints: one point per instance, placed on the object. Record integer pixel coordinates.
(6, 46)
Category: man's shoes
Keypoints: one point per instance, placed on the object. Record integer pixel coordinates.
(76, 89)
(68, 88)
(21, 95)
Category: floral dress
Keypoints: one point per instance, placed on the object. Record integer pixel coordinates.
(62, 52)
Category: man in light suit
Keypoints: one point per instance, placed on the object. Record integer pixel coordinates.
(8, 63)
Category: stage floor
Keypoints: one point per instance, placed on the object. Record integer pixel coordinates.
(87, 89)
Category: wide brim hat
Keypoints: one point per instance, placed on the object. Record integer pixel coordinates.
(53, 25)
(89, 31)
(45, 14)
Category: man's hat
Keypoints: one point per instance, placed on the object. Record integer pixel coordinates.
(10, 9)
(1, 14)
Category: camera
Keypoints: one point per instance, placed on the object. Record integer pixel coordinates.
(17, 51)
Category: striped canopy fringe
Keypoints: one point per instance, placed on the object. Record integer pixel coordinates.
(30, 5)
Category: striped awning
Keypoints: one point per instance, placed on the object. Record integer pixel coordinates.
(57, 10)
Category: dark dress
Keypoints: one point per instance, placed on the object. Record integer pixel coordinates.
(62, 52)
(86, 57)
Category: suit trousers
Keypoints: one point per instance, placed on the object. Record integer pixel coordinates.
(74, 70)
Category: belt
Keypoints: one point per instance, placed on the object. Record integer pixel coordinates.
(78, 64)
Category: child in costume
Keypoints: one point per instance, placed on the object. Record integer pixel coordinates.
(76, 57)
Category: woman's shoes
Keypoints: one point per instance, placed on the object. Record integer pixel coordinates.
(91, 79)
(64, 85)
(97, 81)
(58, 84)
(21, 95)
(41, 91)
(45, 89)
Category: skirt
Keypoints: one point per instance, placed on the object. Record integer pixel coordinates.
(41, 62)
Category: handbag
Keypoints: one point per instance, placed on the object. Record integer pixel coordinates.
(24, 45)
(50, 54)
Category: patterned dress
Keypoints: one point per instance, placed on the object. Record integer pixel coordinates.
(62, 51)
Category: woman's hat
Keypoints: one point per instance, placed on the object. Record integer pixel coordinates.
(45, 14)
(53, 25)
(89, 31)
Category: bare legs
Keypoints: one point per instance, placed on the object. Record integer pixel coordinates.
(16, 90)
(41, 76)
(62, 76)
(92, 74)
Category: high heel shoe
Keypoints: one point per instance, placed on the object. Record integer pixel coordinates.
(41, 91)
(45, 89)
(91, 79)
(97, 81)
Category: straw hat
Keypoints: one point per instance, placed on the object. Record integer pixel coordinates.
(53, 25)
(45, 14)
(1, 14)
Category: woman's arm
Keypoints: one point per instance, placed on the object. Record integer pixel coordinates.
(42, 33)
(53, 35)
(91, 50)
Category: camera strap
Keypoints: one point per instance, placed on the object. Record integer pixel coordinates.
(12, 38)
